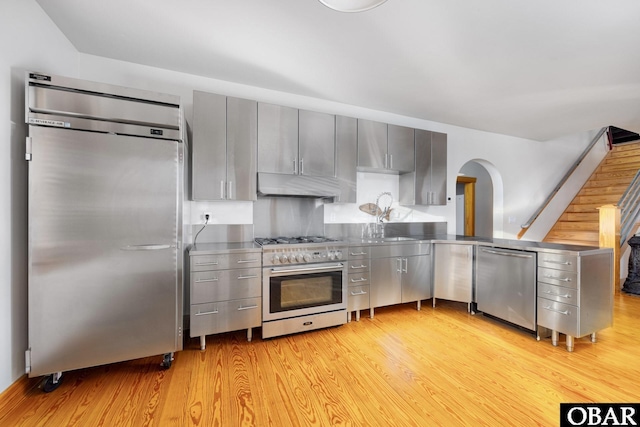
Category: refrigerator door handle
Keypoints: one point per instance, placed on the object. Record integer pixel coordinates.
(145, 247)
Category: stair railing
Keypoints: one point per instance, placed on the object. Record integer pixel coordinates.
(564, 179)
(629, 205)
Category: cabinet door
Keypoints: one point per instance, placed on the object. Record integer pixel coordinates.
(242, 147)
(317, 143)
(372, 144)
(400, 149)
(277, 139)
(453, 272)
(346, 158)
(416, 278)
(439, 168)
(385, 282)
(208, 156)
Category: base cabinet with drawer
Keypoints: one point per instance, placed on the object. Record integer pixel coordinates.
(359, 280)
(575, 294)
(225, 291)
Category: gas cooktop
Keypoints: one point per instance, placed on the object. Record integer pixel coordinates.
(264, 241)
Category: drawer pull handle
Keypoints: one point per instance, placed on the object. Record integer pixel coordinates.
(246, 261)
(355, 267)
(249, 307)
(549, 276)
(557, 295)
(207, 263)
(247, 277)
(357, 254)
(358, 293)
(564, 313)
(215, 279)
(362, 279)
(207, 312)
(551, 261)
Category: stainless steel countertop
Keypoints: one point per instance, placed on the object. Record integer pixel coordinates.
(524, 245)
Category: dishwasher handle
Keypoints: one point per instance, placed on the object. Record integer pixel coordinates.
(511, 254)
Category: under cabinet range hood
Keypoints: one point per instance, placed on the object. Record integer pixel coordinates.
(276, 184)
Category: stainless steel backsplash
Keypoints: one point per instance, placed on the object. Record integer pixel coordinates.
(288, 216)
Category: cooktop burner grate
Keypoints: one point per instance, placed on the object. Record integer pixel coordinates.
(262, 241)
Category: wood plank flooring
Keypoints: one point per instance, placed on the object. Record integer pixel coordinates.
(405, 367)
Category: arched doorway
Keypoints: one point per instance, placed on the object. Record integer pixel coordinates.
(479, 200)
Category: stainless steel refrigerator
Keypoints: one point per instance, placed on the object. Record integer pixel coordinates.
(105, 225)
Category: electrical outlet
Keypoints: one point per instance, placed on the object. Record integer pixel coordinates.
(206, 216)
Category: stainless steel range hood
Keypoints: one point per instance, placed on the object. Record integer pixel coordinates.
(275, 184)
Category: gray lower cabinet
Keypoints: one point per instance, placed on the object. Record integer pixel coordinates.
(400, 273)
(225, 292)
(359, 277)
(453, 272)
(575, 293)
(223, 160)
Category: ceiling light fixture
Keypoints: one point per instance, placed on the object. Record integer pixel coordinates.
(352, 5)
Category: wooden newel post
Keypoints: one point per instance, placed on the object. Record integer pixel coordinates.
(610, 238)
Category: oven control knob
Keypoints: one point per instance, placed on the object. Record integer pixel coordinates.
(338, 254)
(300, 258)
(306, 257)
(292, 258)
(276, 259)
(284, 258)
(332, 256)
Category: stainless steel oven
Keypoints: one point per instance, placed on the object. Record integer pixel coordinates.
(304, 287)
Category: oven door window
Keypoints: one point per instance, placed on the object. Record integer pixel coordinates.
(304, 291)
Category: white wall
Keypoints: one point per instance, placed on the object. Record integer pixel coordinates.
(28, 40)
(529, 169)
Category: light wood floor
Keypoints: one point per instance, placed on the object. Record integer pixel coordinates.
(402, 368)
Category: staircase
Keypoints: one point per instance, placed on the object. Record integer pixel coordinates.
(579, 224)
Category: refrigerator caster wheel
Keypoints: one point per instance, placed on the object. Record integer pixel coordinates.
(166, 361)
(51, 382)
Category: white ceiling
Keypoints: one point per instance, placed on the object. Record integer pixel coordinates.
(535, 69)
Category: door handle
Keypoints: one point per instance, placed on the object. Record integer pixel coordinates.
(362, 279)
(246, 261)
(207, 312)
(230, 190)
(145, 247)
(222, 189)
(398, 265)
(358, 293)
(247, 277)
(248, 307)
(301, 166)
(214, 279)
(406, 265)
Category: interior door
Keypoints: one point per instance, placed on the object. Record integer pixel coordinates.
(103, 229)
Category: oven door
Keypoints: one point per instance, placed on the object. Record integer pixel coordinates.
(301, 290)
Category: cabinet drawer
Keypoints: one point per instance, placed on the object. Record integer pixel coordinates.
(358, 265)
(356, 279)
(210, 286)
(359, 252)
(558, 261)
(567, 279)
(558, 316)
(225, 261)
(225, 316)
(358, 298)
(558, 293)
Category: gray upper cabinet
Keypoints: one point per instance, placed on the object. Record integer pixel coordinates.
(298, 142)
(427, 185)
(277, 139)
(316, 143)
(372, 145)
(385, 148)
(346, 158)
(400, 148)
(223, 148)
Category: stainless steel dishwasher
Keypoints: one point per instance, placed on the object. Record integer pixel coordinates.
(506, 285)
